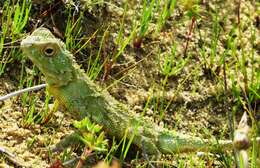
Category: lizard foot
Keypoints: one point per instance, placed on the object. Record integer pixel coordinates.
(66, 142)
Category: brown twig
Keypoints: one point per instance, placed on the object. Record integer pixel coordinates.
(238, 12)
(189, 35)
(49, 10)
(107, 68)
(11, 157)
(83, 157)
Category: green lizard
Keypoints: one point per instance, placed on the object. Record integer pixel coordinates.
(75, 91)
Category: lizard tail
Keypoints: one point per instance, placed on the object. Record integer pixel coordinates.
(170, 142)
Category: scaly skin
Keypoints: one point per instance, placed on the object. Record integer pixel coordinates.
(75, 91)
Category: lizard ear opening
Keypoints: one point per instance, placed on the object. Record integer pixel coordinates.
(50, 50)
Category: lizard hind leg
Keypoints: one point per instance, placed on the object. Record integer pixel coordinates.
(146, 155)
(69, 140)
(149, 148)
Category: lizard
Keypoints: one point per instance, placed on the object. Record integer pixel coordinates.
(69, 84)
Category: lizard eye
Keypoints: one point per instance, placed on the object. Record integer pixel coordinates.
(49, 51)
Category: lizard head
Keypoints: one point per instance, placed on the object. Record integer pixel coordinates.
(50, 56)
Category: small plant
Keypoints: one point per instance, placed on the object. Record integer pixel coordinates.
(34, 115)
(21, 16)
(126, 144)
(145, 20)
(73, 32)
(95, 64)
(29, 117)
(121, 44)
(77, 43)
(91, 135)
(13, 21)
(211, 60)
(214, 40)
(171, 65)
(168, 9)
(93, 138)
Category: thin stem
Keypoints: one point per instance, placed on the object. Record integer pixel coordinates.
(83, 157)
(193, 19)
(18, 92)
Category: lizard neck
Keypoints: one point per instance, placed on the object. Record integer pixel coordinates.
(65, 77)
